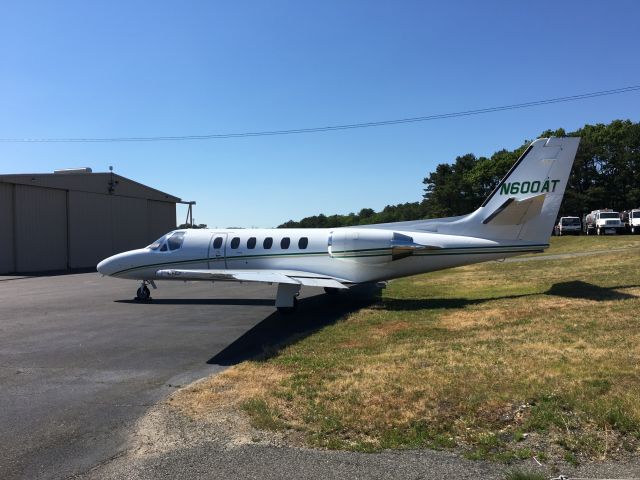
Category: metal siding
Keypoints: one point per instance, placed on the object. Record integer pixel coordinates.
(90, 227)
(41, 229)
(130, 222)
(162, 218)
(6, 227)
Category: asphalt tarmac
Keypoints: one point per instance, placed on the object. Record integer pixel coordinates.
(80, 361)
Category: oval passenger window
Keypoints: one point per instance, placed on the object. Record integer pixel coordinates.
(285, 242)
(235, 242)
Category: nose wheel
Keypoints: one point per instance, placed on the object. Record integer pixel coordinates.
(143, 294)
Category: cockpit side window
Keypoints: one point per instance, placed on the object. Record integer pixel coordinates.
(175, 241)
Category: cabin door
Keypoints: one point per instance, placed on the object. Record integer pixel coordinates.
(218, 251)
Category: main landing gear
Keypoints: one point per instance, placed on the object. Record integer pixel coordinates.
(287, 297)
(143, 294)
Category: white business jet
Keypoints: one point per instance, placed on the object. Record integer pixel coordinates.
(517, 218)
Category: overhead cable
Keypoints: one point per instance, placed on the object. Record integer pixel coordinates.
(425, 118)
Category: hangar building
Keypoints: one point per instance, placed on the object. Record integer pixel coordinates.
(72, 219)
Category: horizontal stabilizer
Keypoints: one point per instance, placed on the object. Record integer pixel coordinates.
(293, 277)
(516, 212)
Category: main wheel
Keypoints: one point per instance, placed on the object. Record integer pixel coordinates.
(143, 293)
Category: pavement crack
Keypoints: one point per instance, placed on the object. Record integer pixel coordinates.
(99, 465)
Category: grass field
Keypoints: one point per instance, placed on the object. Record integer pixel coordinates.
(497, 361)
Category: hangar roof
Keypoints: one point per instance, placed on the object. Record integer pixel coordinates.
(91, 183)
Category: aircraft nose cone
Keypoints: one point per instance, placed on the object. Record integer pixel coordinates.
(103, 267)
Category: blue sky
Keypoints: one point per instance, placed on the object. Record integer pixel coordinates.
(113, 69)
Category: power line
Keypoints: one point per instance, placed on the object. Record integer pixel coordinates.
(426, 118)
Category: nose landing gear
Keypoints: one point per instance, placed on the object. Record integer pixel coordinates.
(143, 294)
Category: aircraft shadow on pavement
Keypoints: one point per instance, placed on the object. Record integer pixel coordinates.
(257, 302)
(279, 330)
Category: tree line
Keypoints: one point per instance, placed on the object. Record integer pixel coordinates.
(605, 174)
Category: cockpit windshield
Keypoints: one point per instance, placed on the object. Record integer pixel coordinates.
(156, 245)
(170, 241)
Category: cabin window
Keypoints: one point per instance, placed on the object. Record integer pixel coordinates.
(217, 243)
(268, 242)
(303, 242)
(251, 243)
(235, 242)
(285, 242)
(175, 240)
(164, 247)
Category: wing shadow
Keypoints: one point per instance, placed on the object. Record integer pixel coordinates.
(279, 330)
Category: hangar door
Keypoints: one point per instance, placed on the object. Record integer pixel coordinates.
(40, 229)
(6, 228)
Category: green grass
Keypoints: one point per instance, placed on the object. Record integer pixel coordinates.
(584, 243)
(482, 359)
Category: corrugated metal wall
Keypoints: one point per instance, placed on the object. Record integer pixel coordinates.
(90, 228)
(40, 229)
(161, 214)
(97, 226)
(6, 228)
(129, 223)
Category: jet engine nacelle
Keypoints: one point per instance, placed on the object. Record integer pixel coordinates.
(367, 245)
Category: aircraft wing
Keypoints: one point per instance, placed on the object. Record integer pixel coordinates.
(294, 277)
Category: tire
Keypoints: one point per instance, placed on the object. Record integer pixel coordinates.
(633, 230)
(598, 231)
(143, 294)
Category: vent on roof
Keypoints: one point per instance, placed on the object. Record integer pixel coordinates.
(64, 171)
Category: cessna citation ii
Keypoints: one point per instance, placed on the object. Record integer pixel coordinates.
(517, 218)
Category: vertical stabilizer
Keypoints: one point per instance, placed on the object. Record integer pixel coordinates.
(525, 204)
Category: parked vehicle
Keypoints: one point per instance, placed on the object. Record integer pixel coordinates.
(602, 222)
(568, 226)
(631, 220)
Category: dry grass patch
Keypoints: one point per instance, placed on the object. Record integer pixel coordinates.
(229, 389)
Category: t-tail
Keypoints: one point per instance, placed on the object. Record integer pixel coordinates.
(525, 204)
